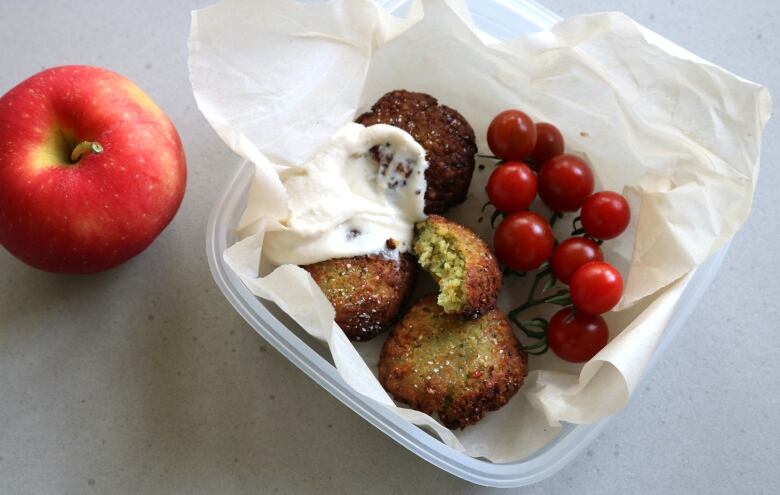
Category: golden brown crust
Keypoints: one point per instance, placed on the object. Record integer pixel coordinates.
(445, 135)
(482, 279)
(436, 362)
(367, 292)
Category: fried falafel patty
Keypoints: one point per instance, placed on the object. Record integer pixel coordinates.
(367, 292)
(436, 362)
(461, 263)
(445, 135)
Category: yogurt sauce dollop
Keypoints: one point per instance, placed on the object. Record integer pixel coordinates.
(364, 187)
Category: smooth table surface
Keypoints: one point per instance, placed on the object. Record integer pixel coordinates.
(144, 380)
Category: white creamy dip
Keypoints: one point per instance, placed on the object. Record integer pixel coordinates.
(349, 200)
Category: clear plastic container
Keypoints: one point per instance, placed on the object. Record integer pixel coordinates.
(501, 19)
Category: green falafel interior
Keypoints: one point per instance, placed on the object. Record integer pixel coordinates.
(437, 252)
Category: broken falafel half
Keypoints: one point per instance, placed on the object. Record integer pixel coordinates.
(461, 263)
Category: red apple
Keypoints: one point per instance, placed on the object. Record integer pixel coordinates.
(91, 170)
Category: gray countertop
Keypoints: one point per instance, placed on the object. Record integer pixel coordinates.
(143, 379)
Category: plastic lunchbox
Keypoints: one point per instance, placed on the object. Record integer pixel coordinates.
(500, 19)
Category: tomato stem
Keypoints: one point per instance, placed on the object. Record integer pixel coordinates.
(531, 349)
(554, 218)
(493, 218)
(540, 323)
(560, 298)
(536, 328)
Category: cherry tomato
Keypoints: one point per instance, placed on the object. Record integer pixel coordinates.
(523, 241)
(596, 287)
(565, 181)
(576, 337)
(605, 215)
(512, 187)
(511, 135)
(572, 254)
(549, 143)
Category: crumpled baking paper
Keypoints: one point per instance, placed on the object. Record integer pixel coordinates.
(678, 136)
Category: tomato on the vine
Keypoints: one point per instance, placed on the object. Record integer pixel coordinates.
(572, 254)
(576, 336)
(523, 241)
(596, 287)
(512, 187)
(564, 182)
(605, 215)
(549, 143)
(511, 135)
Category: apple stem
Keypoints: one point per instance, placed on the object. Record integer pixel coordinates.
(83, 148)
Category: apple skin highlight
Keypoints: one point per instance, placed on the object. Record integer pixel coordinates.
(91, 170)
